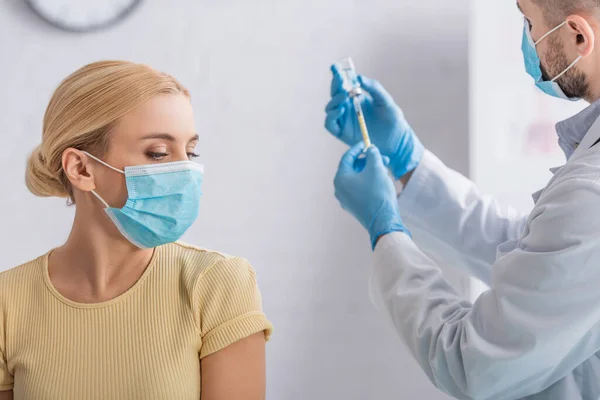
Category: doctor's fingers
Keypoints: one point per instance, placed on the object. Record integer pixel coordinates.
(341, 99)
(374, 158)
(349, 158)
(333, 121)
(376, 90)
(337, 82)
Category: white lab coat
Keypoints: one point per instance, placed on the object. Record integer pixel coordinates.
(536, 332)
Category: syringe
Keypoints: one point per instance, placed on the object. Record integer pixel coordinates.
(352, 86)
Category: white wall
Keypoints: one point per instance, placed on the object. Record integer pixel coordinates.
(258, 72)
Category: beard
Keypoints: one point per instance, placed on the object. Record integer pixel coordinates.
(573, 82)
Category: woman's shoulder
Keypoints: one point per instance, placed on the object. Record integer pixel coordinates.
(206, 272)
(18, 279)
(198, 261)
(192, 256)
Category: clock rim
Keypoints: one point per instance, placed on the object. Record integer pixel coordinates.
(91, 28)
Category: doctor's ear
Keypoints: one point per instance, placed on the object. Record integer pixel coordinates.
(78, 169)
(582, 33)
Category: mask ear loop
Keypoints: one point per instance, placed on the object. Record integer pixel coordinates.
(107, 165)
(100, 198)
(102, 162)
(568, 68)
(550, 32)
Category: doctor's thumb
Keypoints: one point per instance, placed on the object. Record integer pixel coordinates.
(374, 157)
(376, 90)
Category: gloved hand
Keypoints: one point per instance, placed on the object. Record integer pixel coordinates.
(388, 129)
(364, 188)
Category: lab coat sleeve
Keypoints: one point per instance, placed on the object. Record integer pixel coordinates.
(539, 320)
(452, 222)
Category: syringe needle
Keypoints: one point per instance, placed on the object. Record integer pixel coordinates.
(352, 85)
(362, 123)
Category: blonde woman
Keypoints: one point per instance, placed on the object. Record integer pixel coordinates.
(122, 310)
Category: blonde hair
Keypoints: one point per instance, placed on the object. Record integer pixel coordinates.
(82, 112)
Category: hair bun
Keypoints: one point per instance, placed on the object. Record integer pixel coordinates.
(40, 180)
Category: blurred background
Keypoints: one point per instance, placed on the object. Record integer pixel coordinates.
(258, 71)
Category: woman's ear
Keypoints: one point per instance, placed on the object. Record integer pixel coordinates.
(78, 169)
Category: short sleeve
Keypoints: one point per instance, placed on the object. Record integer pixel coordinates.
(230, 305)
(6, 379)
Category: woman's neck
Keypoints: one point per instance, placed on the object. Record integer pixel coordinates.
(98, 259)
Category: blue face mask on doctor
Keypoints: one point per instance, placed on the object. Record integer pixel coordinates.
(163, 201)
(533, 64)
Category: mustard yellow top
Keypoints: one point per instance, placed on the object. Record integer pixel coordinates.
(143, 344)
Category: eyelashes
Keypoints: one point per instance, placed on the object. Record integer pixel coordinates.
(157, 156)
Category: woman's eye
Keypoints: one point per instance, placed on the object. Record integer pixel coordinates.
(156, 155)
(193, 155)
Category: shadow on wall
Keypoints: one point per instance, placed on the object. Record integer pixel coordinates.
(428, 78)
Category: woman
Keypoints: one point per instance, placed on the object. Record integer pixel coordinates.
(122, 311)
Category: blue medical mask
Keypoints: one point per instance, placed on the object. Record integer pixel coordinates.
(533, 64)
(163, 202)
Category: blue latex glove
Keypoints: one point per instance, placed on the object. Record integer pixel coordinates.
(388, 129)
(364, 188)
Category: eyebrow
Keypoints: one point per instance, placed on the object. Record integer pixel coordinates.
(166, 136)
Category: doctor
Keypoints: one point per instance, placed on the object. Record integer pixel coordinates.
(536, 333)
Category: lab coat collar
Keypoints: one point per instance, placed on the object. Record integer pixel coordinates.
(572, 130)
(536, 196)
(554, 170)
(588, 140)
(589, 134)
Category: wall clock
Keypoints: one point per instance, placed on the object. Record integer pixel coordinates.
(83, 15)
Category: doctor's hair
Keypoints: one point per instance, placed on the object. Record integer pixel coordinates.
(556, 11)
(82, 113)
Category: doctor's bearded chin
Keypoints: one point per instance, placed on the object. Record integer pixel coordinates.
(573, 82)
